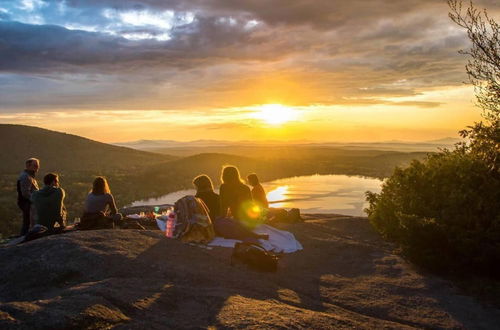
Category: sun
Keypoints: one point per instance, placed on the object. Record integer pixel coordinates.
(275, 114)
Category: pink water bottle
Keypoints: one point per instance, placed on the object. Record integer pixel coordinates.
(170, 224)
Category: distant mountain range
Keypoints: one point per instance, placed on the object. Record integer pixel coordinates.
(60, 151)
(193, 147)
(151, 144)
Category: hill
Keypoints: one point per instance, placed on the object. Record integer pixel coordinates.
(62, 152)
(346, 277)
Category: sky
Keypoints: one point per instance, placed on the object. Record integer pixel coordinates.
(290, 70)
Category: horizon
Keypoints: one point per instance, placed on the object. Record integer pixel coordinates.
(441, 140)
(329, 71)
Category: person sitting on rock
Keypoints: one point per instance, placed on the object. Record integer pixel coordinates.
(235, 196)
(205, 191)
(258, 193)
(49, 204)
(223, 226)
(237, 204)
(100, 210)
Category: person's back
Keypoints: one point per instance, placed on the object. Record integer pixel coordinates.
(212, 201)
(49, 203)
(258, 193)
(99, 210)
(259, 196)
(235, 197)
(96, 203)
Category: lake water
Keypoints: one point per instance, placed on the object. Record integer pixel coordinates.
(340, 194)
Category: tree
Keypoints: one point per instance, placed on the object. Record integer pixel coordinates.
(444, 211)
(483, 70)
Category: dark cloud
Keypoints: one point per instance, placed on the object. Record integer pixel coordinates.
(328, 50)
(27, 48)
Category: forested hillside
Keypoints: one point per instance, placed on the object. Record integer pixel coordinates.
(61, 151)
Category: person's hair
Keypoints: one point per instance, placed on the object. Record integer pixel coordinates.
(203, 183)
(230, 175)
(100, 186)
(49, 178)
(31, 160)
(253, 179)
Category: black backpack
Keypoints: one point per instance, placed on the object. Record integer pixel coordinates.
(255, 257)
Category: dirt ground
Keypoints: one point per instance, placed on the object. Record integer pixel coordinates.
(346, 277)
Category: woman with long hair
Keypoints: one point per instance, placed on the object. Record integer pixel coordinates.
(258, 193)
(100, 209)
(235, 196)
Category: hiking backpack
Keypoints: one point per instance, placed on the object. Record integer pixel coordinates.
(193, 221)
(255, 257)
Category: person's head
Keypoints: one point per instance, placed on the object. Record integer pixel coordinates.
(253, 179)
(230, 175)
(51, 179)
(33, 164)
(100, 186)
(203, 183)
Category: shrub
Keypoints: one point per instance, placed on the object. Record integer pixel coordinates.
(444, 212)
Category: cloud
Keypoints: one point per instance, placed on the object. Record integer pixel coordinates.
(217, 53)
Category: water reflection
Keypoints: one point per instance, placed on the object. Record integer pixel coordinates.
(277, 196)
(340, 194)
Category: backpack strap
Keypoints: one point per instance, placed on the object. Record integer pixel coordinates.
(258, 246)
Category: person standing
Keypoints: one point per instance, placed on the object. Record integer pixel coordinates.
(26, 185)
(49, 203)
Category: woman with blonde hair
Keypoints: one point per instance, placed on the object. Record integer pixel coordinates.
(100, 209)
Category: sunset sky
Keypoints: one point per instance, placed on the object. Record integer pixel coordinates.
(291, 70)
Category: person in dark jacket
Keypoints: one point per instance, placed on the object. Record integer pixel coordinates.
(205, 191)
(49, 203)
(258, 193)
(26, 185)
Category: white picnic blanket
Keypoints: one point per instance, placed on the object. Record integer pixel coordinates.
(279, 241)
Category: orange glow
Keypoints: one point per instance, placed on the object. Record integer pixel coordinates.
(278, 194)
(276, 114)
(254, 212)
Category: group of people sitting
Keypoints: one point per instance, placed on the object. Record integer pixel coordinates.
(232, 212)
(45, 206)
(237, 208)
